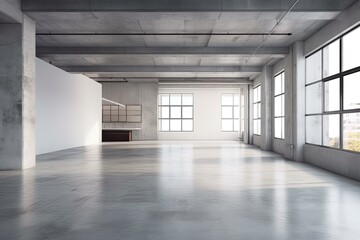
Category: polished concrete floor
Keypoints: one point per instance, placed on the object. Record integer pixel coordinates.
(176, 190)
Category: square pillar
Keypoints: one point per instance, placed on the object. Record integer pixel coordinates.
(17, 95)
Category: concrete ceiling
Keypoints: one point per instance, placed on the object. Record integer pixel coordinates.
(65, 26)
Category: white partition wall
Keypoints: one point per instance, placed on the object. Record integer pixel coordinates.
(68, 109)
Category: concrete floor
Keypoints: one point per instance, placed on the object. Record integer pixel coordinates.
(176, 190)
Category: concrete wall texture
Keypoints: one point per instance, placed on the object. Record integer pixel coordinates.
(17, 95)
(68, 109)
(141, 93)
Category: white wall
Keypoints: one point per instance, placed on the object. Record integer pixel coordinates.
(207, 115)
(68, 109)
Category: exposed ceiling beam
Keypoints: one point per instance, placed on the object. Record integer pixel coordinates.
(118, 69)
(179, 5)
(47, 51)
(161, 34)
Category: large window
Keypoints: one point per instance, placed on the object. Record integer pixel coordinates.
(176, 112)
(230, 112)
(257, 110)
(332, 94)
(279, 105)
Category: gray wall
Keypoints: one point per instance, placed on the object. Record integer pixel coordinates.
(141, 93)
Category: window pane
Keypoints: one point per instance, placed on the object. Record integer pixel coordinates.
(227, 125)
(187, 112)
(259, 93)
(351, 49)
(175, 99)
(164, 125)
(236, 112)
(134, 118)
(331, 58)
(278, 84)
(256, 110)
(114, 118)
(351, 91)
(314, 98)
(175, 125)
(227, 99)
(187, 125)
(278, 105)
(332, 95)
(236, 125)
(164, 112)
(278, 127)
(313, 129)
(313, 67)
(331, 130)
(236, 99)
(351, 128)
(164, 99)
(187, 99)
(106, 118)
(255, 94)
(227, 112)
(259, 110)
(175, 112)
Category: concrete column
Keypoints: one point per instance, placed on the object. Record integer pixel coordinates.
(17, 95)
(298, 103)
(266, 108)
(248, 131)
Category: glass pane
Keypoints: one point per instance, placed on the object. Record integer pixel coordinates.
(106, 108)
(164, 112)
(187, 125)
(259, 93)
(175, 112)
(332, 95)
(114, 118)
(259, 126)
(351, 49)
(255, 94)
(351, 91)
(351, 128)
(122, 118)
(236, 112)
(236, 125)
(227, 99)
(106, 118)
(187, 112)
(313, 129)
(175, 125)
(313, 67)
(164, 125)
(134, 118)
(278, 105)
(259, 110)
(314, 98)
(278, 84)
(331, 58)
(175, 99)
(164, 99)
(226, 112)
(256, 110)
(133, 108)
(187, 99)
(236, 99)
(106, 112)
(331, 130)
(227, 125)
(278, 127)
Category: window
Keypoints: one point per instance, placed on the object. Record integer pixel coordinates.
(279, 106)
(121, 114)
(230, 112)
(332, 98)
(176, 112)
(257, 110)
